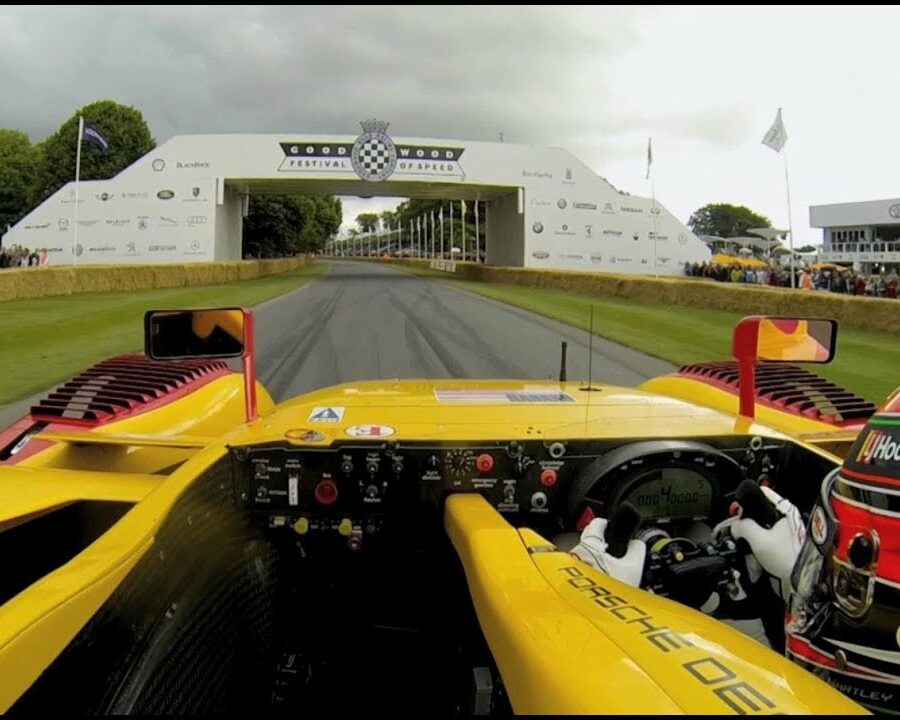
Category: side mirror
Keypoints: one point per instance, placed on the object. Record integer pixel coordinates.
(778, 339)
(179, 334)
(795, 339)
(205, 333)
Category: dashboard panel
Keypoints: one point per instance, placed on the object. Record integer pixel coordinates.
(360, 489)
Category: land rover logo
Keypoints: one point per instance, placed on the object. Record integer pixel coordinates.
(561, 203)
(538, 227)
(374, 155)
(158, 165)
(894, 210)
(165, 194)
(540, 254)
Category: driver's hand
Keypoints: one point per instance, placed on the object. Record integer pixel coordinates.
(593, 550)
(777, 548)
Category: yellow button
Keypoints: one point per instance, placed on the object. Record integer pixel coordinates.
(346, 527)
(301, 527)
(679, 556)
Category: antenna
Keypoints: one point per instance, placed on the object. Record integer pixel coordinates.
(562, 362)
(591, 349)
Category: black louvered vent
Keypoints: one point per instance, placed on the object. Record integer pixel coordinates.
(791, 389)
(117, 387)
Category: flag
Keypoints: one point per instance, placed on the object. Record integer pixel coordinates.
(649, 156)
(777, 135)
(94, 136)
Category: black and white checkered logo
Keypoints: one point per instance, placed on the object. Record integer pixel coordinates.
(374, 155)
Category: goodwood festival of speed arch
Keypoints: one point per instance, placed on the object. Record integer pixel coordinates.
(185, 201)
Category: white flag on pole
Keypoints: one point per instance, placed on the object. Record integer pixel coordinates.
(777, 135)
(649, 156)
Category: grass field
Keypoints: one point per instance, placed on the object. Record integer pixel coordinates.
(48, 340)
(866, 363)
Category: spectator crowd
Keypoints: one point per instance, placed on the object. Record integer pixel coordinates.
(847, 281)
(17, 256)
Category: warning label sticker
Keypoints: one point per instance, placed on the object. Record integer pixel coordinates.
(326, 414)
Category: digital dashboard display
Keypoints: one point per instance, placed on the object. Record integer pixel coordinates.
(671, 493)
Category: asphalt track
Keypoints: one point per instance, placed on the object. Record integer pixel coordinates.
(364, 321)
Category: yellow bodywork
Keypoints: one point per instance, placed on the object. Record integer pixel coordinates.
(556, 650)
(569, 639)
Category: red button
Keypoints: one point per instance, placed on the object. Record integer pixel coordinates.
(326, 492)
(484, 462)
(548, 478)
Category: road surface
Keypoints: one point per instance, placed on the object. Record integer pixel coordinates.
(365, 321)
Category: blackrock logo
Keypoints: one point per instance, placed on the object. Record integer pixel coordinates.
(192, 165)
(540, 254)
(373, 157)
(538, 228)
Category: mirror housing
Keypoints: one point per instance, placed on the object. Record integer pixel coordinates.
(778, 339)
(205, 333)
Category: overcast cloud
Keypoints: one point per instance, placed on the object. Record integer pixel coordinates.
(705, 83)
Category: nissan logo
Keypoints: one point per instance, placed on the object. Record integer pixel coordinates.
(165, 194)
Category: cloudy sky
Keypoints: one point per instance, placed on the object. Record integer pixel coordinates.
(705, 83)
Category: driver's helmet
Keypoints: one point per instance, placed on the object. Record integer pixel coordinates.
(843, 619)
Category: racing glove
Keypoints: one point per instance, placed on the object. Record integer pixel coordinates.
(593, 549)
(776, 548)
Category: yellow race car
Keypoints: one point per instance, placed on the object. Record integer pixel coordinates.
(174, 542)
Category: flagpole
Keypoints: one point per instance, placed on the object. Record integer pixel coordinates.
(451, 229)
(477, 234)
(77, 175)
(787, 187)
(655, 246)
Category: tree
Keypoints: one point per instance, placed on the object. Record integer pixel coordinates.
(388, 220)
(278, 225)
(368, 222)
(725, 220)
(124, 128)
(18, 162)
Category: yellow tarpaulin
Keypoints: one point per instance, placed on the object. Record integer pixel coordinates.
(729, 260)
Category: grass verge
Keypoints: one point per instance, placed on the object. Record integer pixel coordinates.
(48, 340)
(866, 363)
